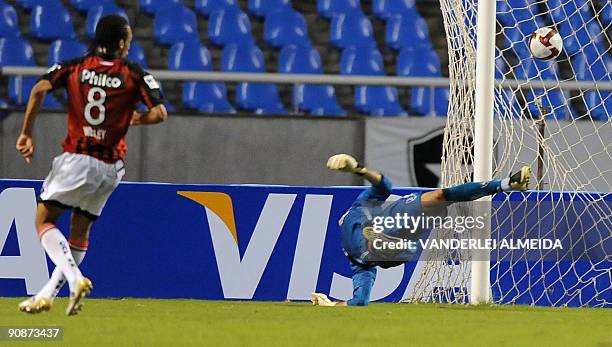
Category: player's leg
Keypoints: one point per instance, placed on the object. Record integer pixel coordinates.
(46, 218)
(476, 190)
(363, 281)
(80, 225)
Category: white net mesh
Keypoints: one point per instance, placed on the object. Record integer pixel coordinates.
(557, 118)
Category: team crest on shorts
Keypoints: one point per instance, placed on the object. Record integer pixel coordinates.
(409, 198)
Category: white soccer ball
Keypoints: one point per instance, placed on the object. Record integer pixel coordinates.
(545, 43)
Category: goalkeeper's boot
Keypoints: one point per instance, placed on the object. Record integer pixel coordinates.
(83, 288)
(520, 179)
(319, 299)
(35, 305)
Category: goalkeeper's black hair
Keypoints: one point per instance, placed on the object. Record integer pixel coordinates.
(110, 30)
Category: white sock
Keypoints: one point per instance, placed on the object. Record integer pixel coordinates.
(57, 248)
(505, 184)
(57, 280)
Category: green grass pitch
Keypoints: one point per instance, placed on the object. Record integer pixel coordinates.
(149, 322)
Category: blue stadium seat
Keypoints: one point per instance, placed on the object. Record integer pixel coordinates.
(30, 4)
(206, 97)
(423, 63)
(9, 25)
(554, 99)
(50, 22)
(407, 32)
(351, 29)
(18, 52)
(313, 99)
(563, 10)
(61, 50)
(577, 36)
(96, 12)
(519, 14)
(375, 100)
(175, 24)
(517, 42)
(137, 54)
(152, 6)
(506, 102)
(384, 9)
(230, 25)
(330, 8)
(591, 67)
(284, 27)
(262, 8)
(605, 14)
(85, 5)
(206, 7)
(262, 98)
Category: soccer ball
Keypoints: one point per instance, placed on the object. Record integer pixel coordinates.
(545, 43)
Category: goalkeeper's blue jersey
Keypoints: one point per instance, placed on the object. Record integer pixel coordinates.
(368, 205)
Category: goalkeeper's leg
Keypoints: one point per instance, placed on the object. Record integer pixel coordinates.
(363, 281)
(475, 190)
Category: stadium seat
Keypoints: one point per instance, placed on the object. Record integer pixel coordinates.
(206, 7)
(553, 99)
(284, 27)
(30, 4)
(85, 5)
(407, 32)
(590, 67)
(563, 10)
(423, 63)
(506, 102)
(605, 14)
(577, 36)
(18, 52)
(61, 50)
(351, 29)
(96, 12)
(313, 99)
(51, 22)
(152, 6)
(206, 97)
(262, 8)
(262, 98)
(9, 25)
(361, 61)
(330, 8)
(384, 9)
(230, 25)
(516, 41)
(519, 14)
(137, 54)
(375, 100)
(175, 24)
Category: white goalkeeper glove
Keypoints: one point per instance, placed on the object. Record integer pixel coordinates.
(346, 163)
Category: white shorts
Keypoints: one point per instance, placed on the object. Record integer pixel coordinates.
(81, 181)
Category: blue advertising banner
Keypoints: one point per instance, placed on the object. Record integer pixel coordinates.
(214, 242)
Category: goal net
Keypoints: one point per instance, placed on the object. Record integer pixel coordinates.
(555, 116)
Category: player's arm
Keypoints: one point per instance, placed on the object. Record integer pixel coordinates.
(156, 114)
(381, 186)
(25, 143)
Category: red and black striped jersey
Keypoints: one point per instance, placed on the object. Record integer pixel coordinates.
(103, 92)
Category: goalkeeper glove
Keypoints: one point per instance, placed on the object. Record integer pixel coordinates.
(346, 163)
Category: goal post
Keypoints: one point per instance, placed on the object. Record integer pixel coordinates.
(500, 99)
(480, 285)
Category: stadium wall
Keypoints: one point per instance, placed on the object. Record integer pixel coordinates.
(247, 242)
(207, 149)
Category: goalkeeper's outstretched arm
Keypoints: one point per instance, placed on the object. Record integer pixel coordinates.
(346, 163)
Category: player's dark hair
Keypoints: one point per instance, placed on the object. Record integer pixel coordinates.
(110, 30)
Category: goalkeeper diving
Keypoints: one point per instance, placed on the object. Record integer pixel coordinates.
(358, 234)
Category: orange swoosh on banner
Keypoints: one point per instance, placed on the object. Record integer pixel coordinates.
(219, 203)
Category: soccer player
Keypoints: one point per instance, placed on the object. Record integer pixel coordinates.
(356, 223)
(103, 90)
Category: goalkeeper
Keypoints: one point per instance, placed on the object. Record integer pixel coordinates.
(356, 224)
